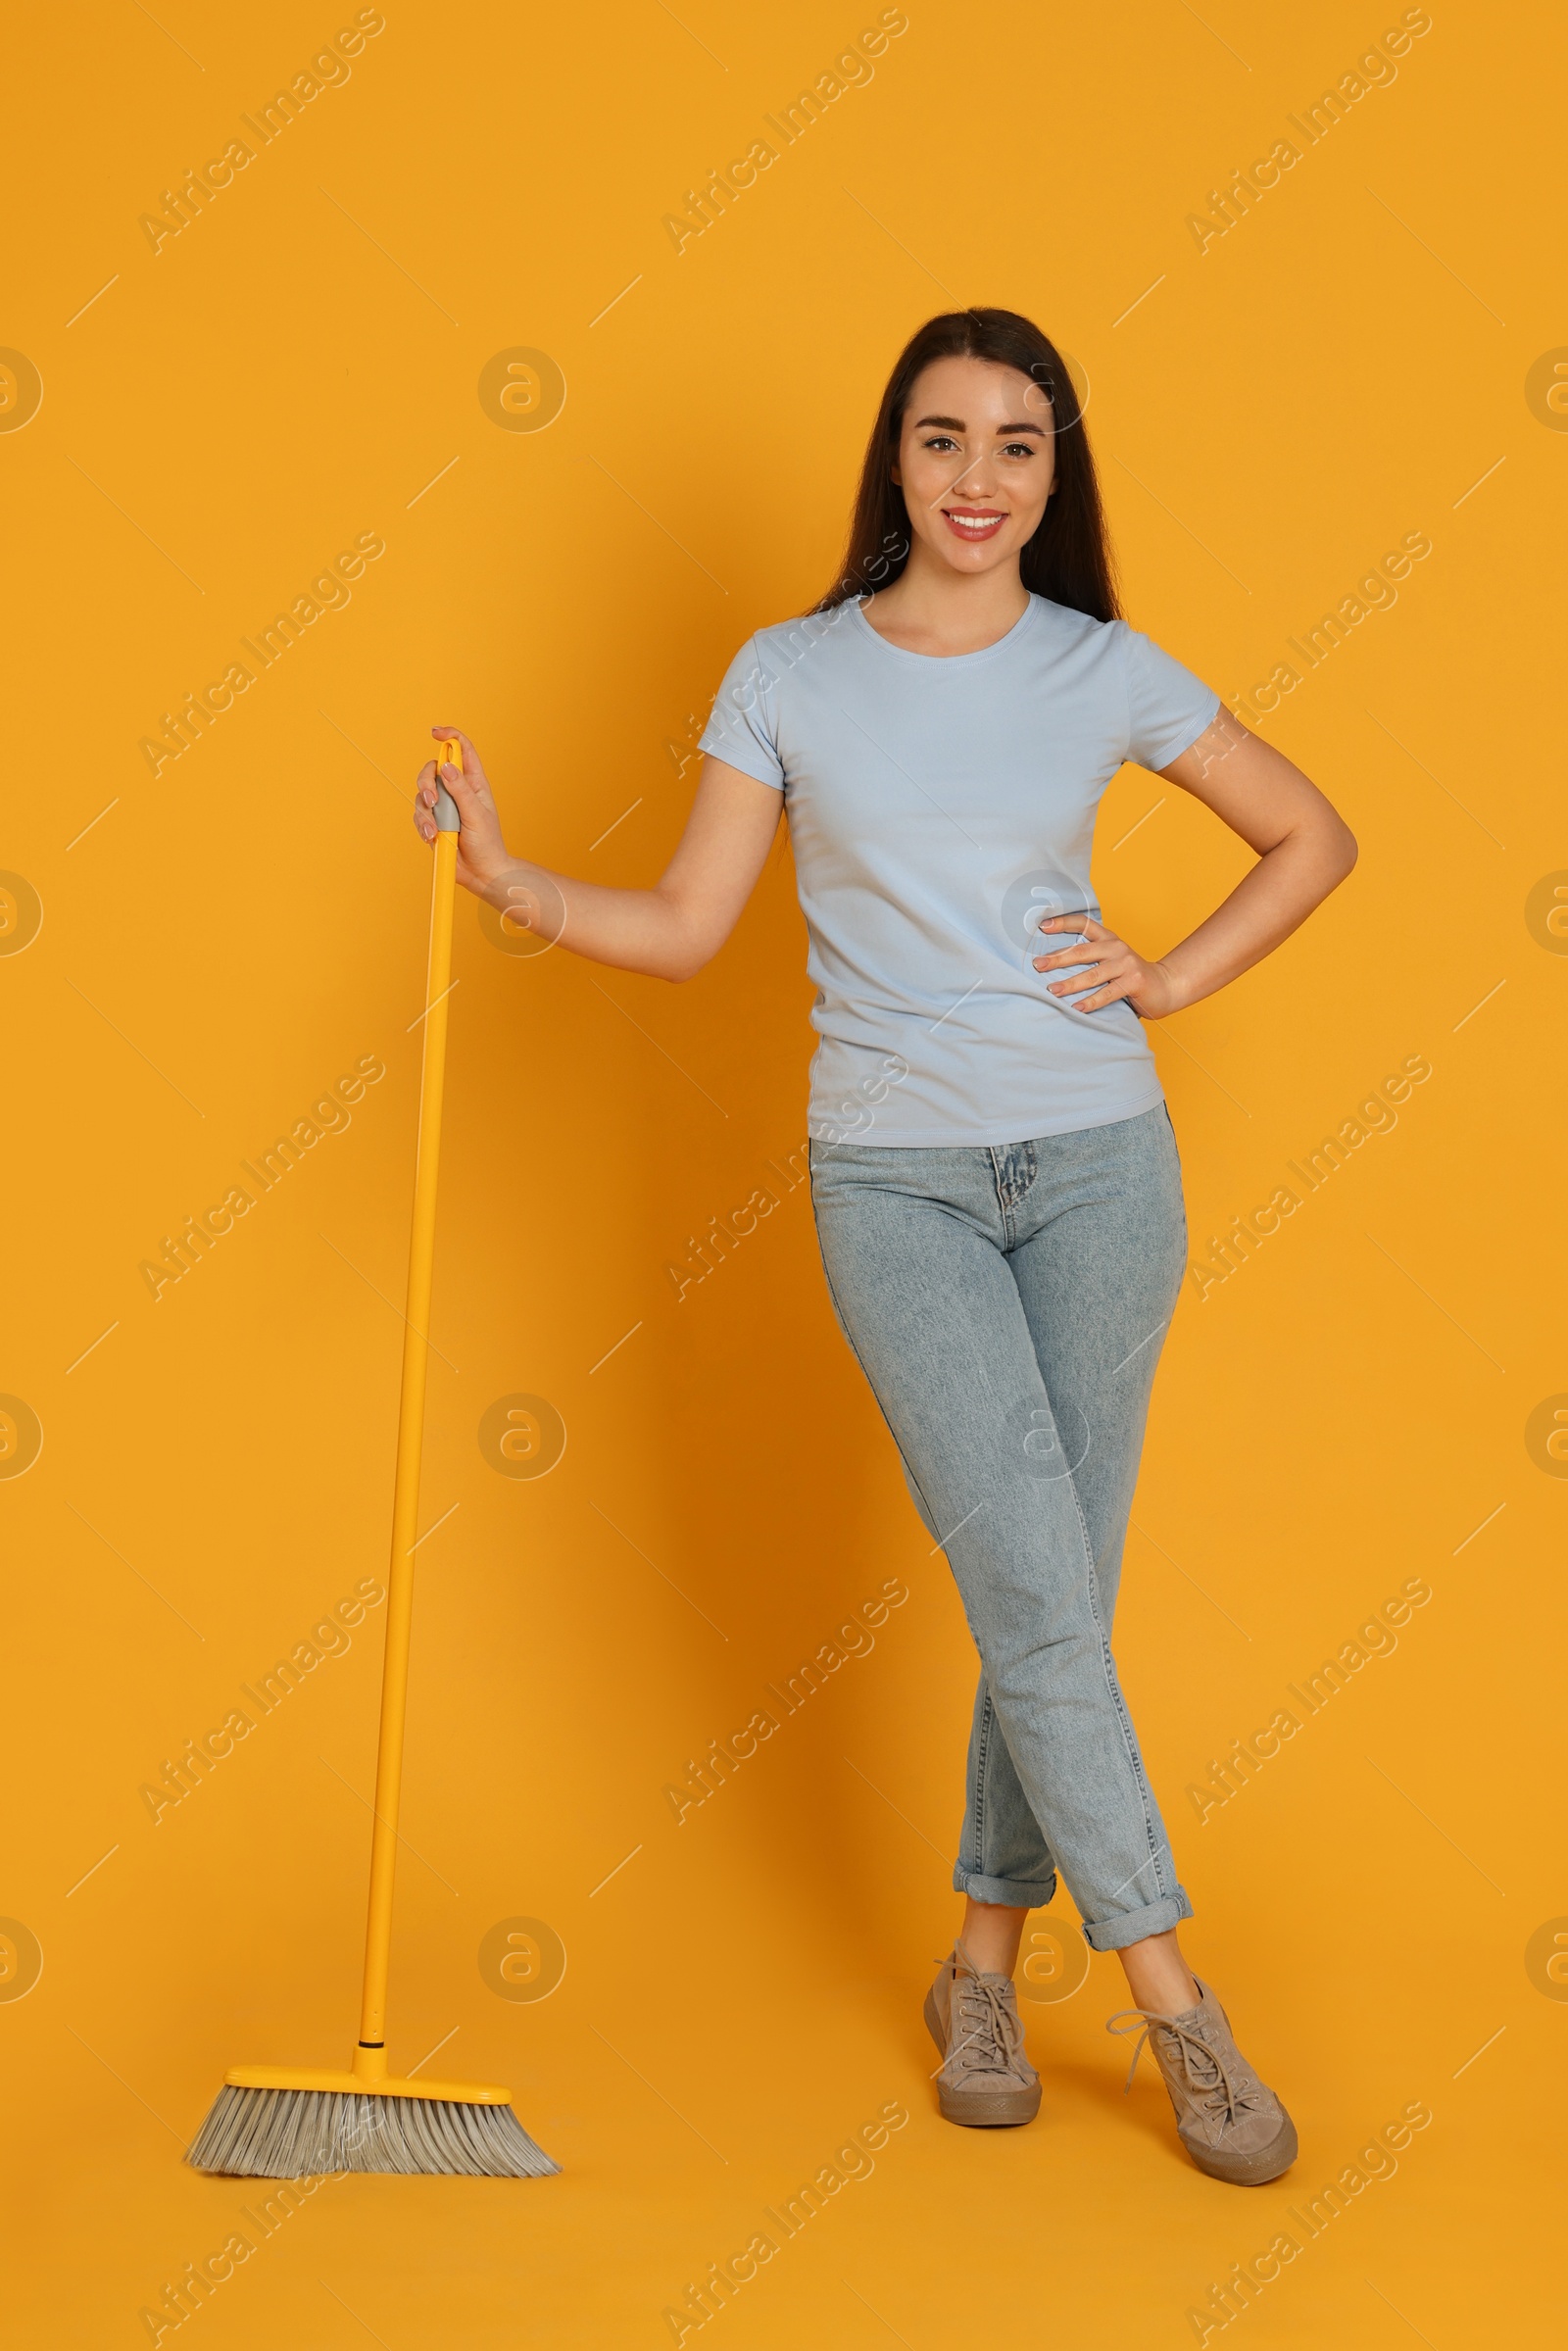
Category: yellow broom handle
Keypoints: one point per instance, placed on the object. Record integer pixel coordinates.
(410, 1439)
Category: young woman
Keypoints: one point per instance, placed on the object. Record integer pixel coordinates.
(994, 1173)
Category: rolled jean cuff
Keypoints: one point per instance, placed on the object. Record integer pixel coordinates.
(1018, 1894)
(1132, 1926)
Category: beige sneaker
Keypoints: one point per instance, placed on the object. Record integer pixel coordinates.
(1232, 2126)
(973, 2019)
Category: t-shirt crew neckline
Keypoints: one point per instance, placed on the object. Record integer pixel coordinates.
(946, 660)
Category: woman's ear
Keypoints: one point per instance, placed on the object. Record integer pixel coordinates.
(895, 476)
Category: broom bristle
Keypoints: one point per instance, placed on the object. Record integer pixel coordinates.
(293, 2134)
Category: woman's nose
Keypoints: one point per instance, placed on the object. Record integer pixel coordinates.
(976, 481)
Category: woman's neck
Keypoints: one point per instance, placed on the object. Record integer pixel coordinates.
(930, 609)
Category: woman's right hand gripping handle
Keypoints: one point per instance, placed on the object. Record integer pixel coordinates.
(524, 895)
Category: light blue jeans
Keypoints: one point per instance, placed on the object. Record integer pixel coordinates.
(1008, 1306)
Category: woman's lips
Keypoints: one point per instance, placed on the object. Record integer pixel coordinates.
(973, 523)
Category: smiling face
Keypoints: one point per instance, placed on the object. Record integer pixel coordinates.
(976, 463)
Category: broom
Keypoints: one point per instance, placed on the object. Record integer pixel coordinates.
(287, 2122)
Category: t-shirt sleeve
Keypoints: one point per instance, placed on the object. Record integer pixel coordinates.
(742, 728)
(1167, 706)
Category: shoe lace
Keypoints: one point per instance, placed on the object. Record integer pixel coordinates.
(1203, 2070)
(991, 2034)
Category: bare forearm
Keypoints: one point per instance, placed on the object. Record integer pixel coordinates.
(1266, 906)
(670, 931)
(635, 930)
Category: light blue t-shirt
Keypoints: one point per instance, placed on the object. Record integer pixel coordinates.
(939, 806)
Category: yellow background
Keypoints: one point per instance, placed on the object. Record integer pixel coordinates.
(220, 420)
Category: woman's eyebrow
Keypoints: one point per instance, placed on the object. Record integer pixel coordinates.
(956, 424)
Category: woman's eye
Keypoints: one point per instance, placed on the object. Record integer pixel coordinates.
(941, 440)
(1019, 448)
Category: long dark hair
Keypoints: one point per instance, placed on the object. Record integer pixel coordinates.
(1068, 560)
